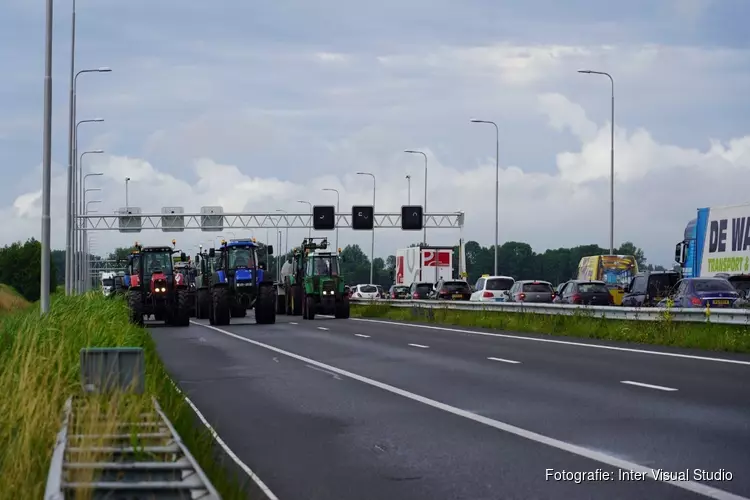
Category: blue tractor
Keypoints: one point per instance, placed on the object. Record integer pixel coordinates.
(239, 282)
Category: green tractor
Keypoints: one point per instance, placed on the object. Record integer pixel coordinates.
(204, 268)
(312, 282)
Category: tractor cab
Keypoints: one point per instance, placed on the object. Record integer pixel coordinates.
(237, 261)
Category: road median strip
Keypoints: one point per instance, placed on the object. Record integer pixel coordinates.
(707, 336)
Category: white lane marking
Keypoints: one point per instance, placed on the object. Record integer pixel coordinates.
(504, 360)
(293, 323)
(334, 375)
(554, 341)
(242, 465)
(598, 456)
(420, 346)
(362, 335)
(648, 386)
(322, 328)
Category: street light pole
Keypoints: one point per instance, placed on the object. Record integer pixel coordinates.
(72, 154)
(412, 151)
(372, 250)
(408, 189)
(338, 198)
(85, 268)
(309, 229)
(78, 258)
(46, 163)
(286, 249)
(611, 161)
(127, 206)
(497, 184)
(76, 199)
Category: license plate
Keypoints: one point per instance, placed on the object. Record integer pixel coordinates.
(721, 302)
(458, 296)
(499, 299)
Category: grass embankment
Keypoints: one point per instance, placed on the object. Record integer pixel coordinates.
(663, 332)
(39, 370)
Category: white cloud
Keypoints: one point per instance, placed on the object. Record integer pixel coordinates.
(658, 188)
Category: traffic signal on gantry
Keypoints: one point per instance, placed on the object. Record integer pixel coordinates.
(363, 217)
(324, 217)
(412, 218)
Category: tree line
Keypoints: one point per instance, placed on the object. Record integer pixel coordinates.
(20, 263)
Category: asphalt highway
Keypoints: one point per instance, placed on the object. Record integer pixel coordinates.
(360, 410)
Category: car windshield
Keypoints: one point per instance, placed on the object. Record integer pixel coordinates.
(423, 288)
(499, 284)
(456, 286)
(367, 289)
(712, 285)
(592, 288)
(662, 284)
(108, 282)
(537, 287)
(240, 257)
(157, 262)
(400, 289)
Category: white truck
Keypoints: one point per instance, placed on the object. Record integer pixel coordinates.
(108, 283)
(423, 264)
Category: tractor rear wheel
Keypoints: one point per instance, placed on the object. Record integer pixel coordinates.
(135, 305)
(265, 305)
(220, 311)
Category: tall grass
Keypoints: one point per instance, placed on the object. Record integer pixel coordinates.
(40, 369)
(707, 336)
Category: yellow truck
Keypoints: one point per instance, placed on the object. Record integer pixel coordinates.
(615, 270)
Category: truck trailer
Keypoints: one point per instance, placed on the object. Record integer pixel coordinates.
(423, 264)
(716, 242)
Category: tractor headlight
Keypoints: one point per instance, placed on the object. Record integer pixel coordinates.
(163, 289)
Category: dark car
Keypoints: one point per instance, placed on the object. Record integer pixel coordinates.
(452, 290)
(420, 290)
(532, 291)
(591, 293)
(649, 288)
(741, 283)
(703, 292)
(398, 292)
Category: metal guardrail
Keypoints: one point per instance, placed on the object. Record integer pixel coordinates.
(702, 315)
(146, 459)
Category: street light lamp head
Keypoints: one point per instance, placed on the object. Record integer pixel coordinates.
(588, 71)
(474, 120)
(410, 151)
(98, 151)
(104, 69)
(97, 119)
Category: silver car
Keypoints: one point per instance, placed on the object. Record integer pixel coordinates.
(532, 291)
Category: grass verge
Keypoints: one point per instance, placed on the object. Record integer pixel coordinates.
(706, 336)
(39, 369)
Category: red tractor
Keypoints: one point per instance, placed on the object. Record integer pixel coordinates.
(155, 288)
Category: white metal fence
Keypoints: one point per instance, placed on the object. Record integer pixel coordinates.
(697, 315)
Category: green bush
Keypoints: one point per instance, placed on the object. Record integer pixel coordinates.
(708, 336)
(39, 370)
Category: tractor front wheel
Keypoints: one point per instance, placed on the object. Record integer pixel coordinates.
(265, 305)
(181, 313)
(342, 308)
(135, 305)
(220, 312)
(309, 311)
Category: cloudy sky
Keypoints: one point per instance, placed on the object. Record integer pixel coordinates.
(255, 105)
